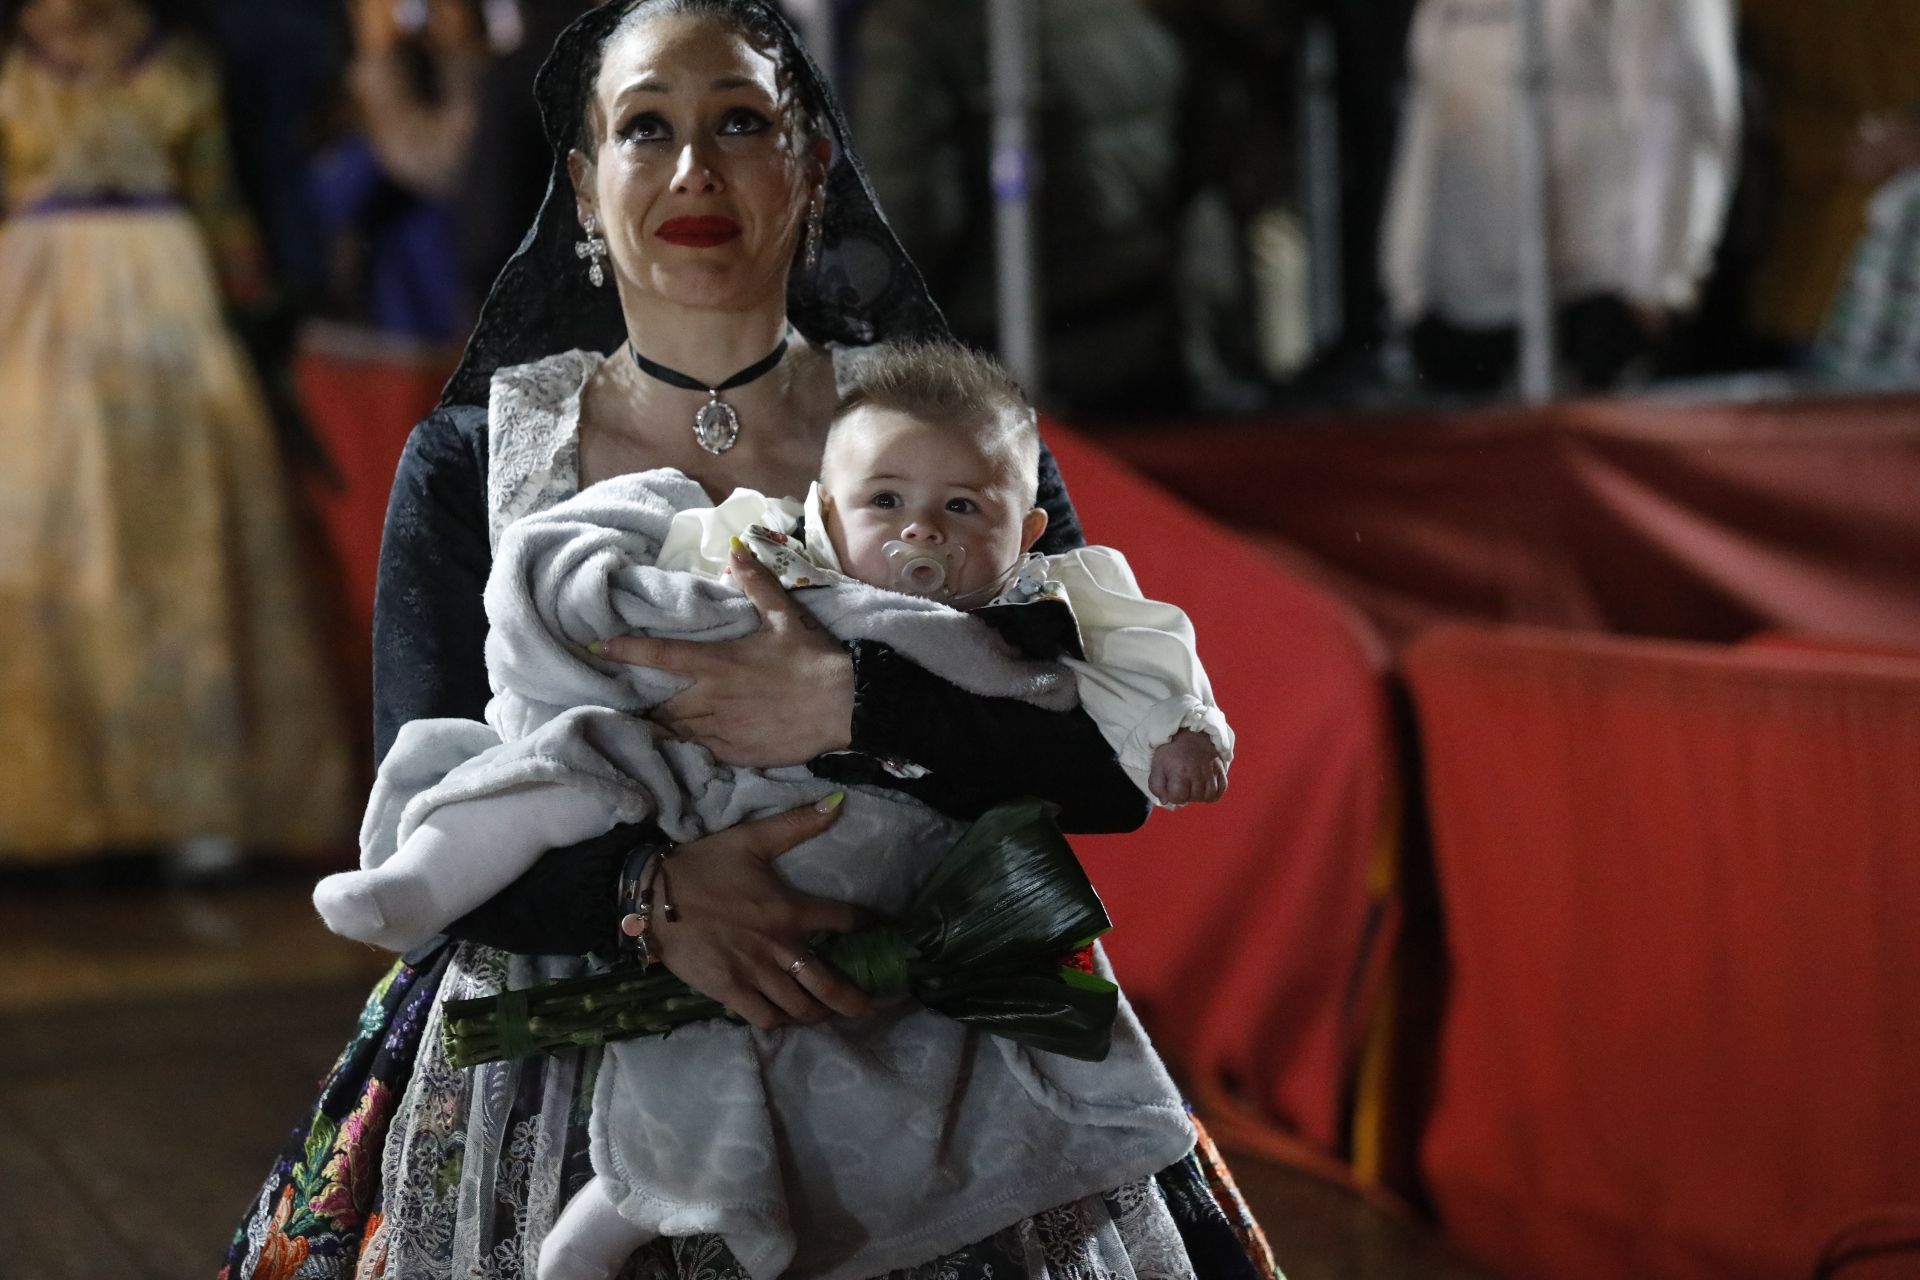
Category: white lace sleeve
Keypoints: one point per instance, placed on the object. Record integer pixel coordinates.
(533, 436)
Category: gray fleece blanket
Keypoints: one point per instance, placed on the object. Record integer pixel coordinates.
(836, 1151)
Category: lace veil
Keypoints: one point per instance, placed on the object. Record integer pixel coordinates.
(864, 288)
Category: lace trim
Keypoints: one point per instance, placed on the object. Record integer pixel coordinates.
(475, 1169)
(533, 436)
(533, 432)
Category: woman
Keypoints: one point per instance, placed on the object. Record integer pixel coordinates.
(700, 171)
(161, 684)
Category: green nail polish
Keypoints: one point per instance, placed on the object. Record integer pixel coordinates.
(829, 803)
(596, 647)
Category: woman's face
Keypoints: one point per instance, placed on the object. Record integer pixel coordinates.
(694, 177)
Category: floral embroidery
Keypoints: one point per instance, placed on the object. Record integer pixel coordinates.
(283, 1255)
(310, 1216)
(349, 1178)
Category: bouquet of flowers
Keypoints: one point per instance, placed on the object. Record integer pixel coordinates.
(999, 938)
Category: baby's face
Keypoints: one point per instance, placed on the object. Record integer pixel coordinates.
(890, 477)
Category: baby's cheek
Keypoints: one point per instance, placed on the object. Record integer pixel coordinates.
(861, 558)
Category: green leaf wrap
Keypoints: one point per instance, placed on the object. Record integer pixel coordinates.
(981, 942)
(874, 960)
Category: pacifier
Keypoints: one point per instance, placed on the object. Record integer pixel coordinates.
(924, 568)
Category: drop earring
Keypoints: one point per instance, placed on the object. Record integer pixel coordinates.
(813, 233)
(593, 249)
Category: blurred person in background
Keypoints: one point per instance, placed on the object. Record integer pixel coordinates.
(388, 189)
(1111, 203)
(505, 168)
(1872, 332)
(1642, 103)
(161, 686)
(1236, 150)
(281, 62)
(1837, 91)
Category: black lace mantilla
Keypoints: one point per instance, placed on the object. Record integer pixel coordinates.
(864, 289)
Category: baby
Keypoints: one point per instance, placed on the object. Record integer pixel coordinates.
(927, 493)
(927, 486)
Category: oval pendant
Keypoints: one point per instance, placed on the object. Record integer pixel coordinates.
(716, 426)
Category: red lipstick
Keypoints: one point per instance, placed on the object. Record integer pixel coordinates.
(698, 233)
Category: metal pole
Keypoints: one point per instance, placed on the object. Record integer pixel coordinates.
(1532, 136)
(1013, 41)
(1320, 162)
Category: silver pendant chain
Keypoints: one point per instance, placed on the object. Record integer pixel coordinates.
(716, 427)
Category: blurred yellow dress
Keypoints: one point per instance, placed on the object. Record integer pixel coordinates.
(160, 677)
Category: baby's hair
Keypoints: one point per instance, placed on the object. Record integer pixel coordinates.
(951, 386)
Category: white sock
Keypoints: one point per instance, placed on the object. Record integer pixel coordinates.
(462, 855)
(591, 1241)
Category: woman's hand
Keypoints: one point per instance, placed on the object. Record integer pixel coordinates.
(780, 696)
(740, 929)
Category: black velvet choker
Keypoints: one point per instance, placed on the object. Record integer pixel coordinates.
(716, 426)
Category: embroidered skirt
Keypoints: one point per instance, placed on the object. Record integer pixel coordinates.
(409, 1167)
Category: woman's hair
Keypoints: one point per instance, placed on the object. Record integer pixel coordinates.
(947, 385)
(800, 116)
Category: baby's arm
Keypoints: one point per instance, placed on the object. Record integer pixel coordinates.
(1142, 681)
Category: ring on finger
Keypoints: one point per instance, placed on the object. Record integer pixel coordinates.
(793, 970)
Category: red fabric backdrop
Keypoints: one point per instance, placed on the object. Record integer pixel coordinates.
(1253, 931)
(361, 408)
(1681, 886)
(1698, 522)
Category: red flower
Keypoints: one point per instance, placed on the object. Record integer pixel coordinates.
(372, 1262)
(1081, 959)
(281, 1255)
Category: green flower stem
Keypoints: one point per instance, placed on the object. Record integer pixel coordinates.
(981, 942)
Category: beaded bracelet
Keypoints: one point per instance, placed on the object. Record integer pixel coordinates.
(643, 867)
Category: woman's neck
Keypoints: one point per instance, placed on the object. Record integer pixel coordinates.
(707, 345)
(631, 420)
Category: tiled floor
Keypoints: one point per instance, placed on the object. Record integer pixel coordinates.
(156, 1044)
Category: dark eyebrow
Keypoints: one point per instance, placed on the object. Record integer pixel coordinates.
(722, 85)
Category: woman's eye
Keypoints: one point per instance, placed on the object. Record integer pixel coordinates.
(962, 506)
(884, 500)
(645, 128)
(742, 120)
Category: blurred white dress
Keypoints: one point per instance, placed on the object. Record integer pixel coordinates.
(1644, 123)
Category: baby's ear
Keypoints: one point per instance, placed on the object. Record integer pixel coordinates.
(1031, 528)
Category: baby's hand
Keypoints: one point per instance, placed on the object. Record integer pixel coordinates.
(1187, 770)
